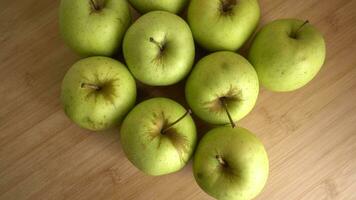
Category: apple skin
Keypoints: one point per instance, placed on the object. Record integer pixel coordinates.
(91, 32)
(222, 75)
(231, 164)
(223, 24)
(284, 63)
(147, 148)
(144, 6)
(103, 108)
(159, 48)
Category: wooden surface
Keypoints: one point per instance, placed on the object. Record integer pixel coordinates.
(310, 134)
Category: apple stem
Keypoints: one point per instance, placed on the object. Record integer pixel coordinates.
(223, 102)
(90, 86)
(189, 112)
(300, 27)
(156, 43)
(94, 5)
(221, 160)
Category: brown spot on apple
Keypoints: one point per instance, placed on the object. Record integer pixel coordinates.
(199, 175)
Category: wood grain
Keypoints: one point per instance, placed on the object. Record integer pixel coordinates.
(310, 134)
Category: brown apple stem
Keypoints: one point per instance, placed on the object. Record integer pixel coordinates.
(221, 160)
(300, 27)
(223, 102)
(189, 112)
(156, 43)
(90, 86)
(94, 5)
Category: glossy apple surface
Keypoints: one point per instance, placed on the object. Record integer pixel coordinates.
(231, 164)
(223, 24)
(150, 144)
(97, 92)
(222, 77)
(287, 54)
(94, 27)
(159, 48)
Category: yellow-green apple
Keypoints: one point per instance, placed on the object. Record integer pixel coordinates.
(287, 54)
(144, 6)
(222, 77)
(159, 48)
(223, 24)
(158, 136)
(94, 27)
(97, 92)
(231, 164)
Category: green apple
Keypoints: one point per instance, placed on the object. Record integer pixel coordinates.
(158, 136)
(94, 27)
(159, 48)
(218, 80)
(231, 164)
(97, 92)
(287, 54)
(144, 6)
(223, 24)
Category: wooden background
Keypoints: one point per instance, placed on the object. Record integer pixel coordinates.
(310, 134)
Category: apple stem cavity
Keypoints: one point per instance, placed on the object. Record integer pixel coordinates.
(223, 102)
(227, 5)
(90, 86)
(221, 161)
(294, 35)
(189, 112)
(161, 48)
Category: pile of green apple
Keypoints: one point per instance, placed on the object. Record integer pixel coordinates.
(159, 135)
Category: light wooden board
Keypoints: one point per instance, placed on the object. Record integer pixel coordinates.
(310, 134)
